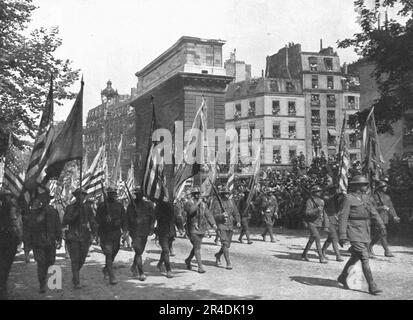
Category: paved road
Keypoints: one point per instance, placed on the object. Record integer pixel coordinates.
(262, 270)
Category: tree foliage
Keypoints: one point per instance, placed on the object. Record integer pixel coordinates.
(27, 61)
(390, 49)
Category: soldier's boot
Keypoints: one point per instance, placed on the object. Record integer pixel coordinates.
(227, 260)
(76, 280)
(199, 261)
(3, 292)
(304, 256)
(41, 275)
(320, 253)
(325, 247)
(26, 256)
(240, 237)
(342, 278)
(248, 238)
(109, 268)
(105, 273)
(371, 252)
(218, 258)
(337, 251)
(387, 251)
(373, 289)
(188, 260)
(139, 264)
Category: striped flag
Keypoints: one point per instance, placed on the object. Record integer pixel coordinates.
(117, 173)
(13, 178)
(91, 182)
(42, 144)
(344, 161)
(255, 174)
(130, 181)
(154, 181)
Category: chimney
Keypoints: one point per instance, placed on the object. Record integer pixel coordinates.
(286, 57)
(321, 44)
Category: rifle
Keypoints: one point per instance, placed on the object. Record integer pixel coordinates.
(217, 195)
(131, 199)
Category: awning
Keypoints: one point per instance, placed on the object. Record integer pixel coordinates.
(332, 132)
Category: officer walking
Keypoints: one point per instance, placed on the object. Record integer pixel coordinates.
(111, 218)
(10, 236)
(354, 226)
(269, 207)
(198, 218)
(141, 220)
(316, 219)
(385, 208)
(45, 235)
(332, 202)
(225, 218)
(81, 226)
(245, 217)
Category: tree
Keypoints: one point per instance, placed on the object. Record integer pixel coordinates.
(390, 49)
(26, 65)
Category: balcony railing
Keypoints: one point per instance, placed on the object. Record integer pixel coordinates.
(331, 104)
(315, 103)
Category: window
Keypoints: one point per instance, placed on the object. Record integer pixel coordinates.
(314, 82)
(315, 100)
(331, 118)
(352, 121)
(315, 138)
(328, 63)
(292, 154)
(237, 111)
(352, 137)
(290, 86)
(330, 82)
(331, 101)
(276, 132)
(331, 139)
(251, 130)
(292, 130)
(312, 61)
(251, 109)
(275, 108)
(276, 155)
(315, 117)
(351, 102)
(291, 108)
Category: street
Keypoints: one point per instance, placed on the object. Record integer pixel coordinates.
(263, 270)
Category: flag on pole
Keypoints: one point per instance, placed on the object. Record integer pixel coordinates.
(91, 182)
(13, 178)
(373, 158)
(344, 161)
(41, 145)
(154, 181)
(117, 173)
(68, 144)
(130, 181)
(255, 175)
(186, 170)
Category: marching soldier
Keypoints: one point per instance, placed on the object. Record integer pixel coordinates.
(165, 230)
(179, 218)
(10, 236)
(111, 218)
(45, 235)
(225, 218)
(332, 202)
(81, 226)
(268, 205)
(198, 218)
(385, 208)
(245, 217)
(354, 226)
(141, 222)
(316, 219)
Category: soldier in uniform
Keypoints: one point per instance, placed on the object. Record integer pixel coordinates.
(141, 222)
(316, 219)
(81, 227)
(225, 218)
(11, 234)
(332, 202)
(385, 208)
(165, 230)
(245, 217)
(45, 235)
(268, 205)
(198, 218)
(111, 218)
(179, 218)
(354, 226)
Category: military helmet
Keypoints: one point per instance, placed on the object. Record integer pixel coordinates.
(78, 191)
(382, 184)
(359, 180)
(316, 189)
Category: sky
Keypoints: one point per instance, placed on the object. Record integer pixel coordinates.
(109, 39)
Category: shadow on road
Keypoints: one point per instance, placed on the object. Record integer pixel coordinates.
(316, 281)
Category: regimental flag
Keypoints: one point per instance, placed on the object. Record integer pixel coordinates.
(130, 181)
(13, 178)
(117, 173)
(371, 151)
(206, 186)
(68, 144)
(188, 170)
(92, 180)
(154, 180)
(344, 161)
(231, 180)
(255, 174)
(42, 145)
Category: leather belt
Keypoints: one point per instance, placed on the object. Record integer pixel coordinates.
(358, 218)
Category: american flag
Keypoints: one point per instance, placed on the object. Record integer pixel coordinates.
(13, 178)
(117, 170)
(91, 182)
(130, 181)
(344, 161)
(154, 181)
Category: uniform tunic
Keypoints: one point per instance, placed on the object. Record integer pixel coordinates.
(382, 199)
(226, 222)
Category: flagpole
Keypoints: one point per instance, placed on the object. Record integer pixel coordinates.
(81, 159)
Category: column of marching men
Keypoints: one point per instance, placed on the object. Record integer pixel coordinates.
(359, 217)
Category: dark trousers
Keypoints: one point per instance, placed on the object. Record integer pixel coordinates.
(166, 244)
(138, 244)
(78, 252)
(332, 239)
(359, 251)
(110, 248)
(268, 230)
(314, 237)
(8, 249)
(376, 237)
(226, 238)
(196, 241)
(45, 257)
(245, 230)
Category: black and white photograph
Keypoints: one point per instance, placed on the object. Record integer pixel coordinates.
(220, 151)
